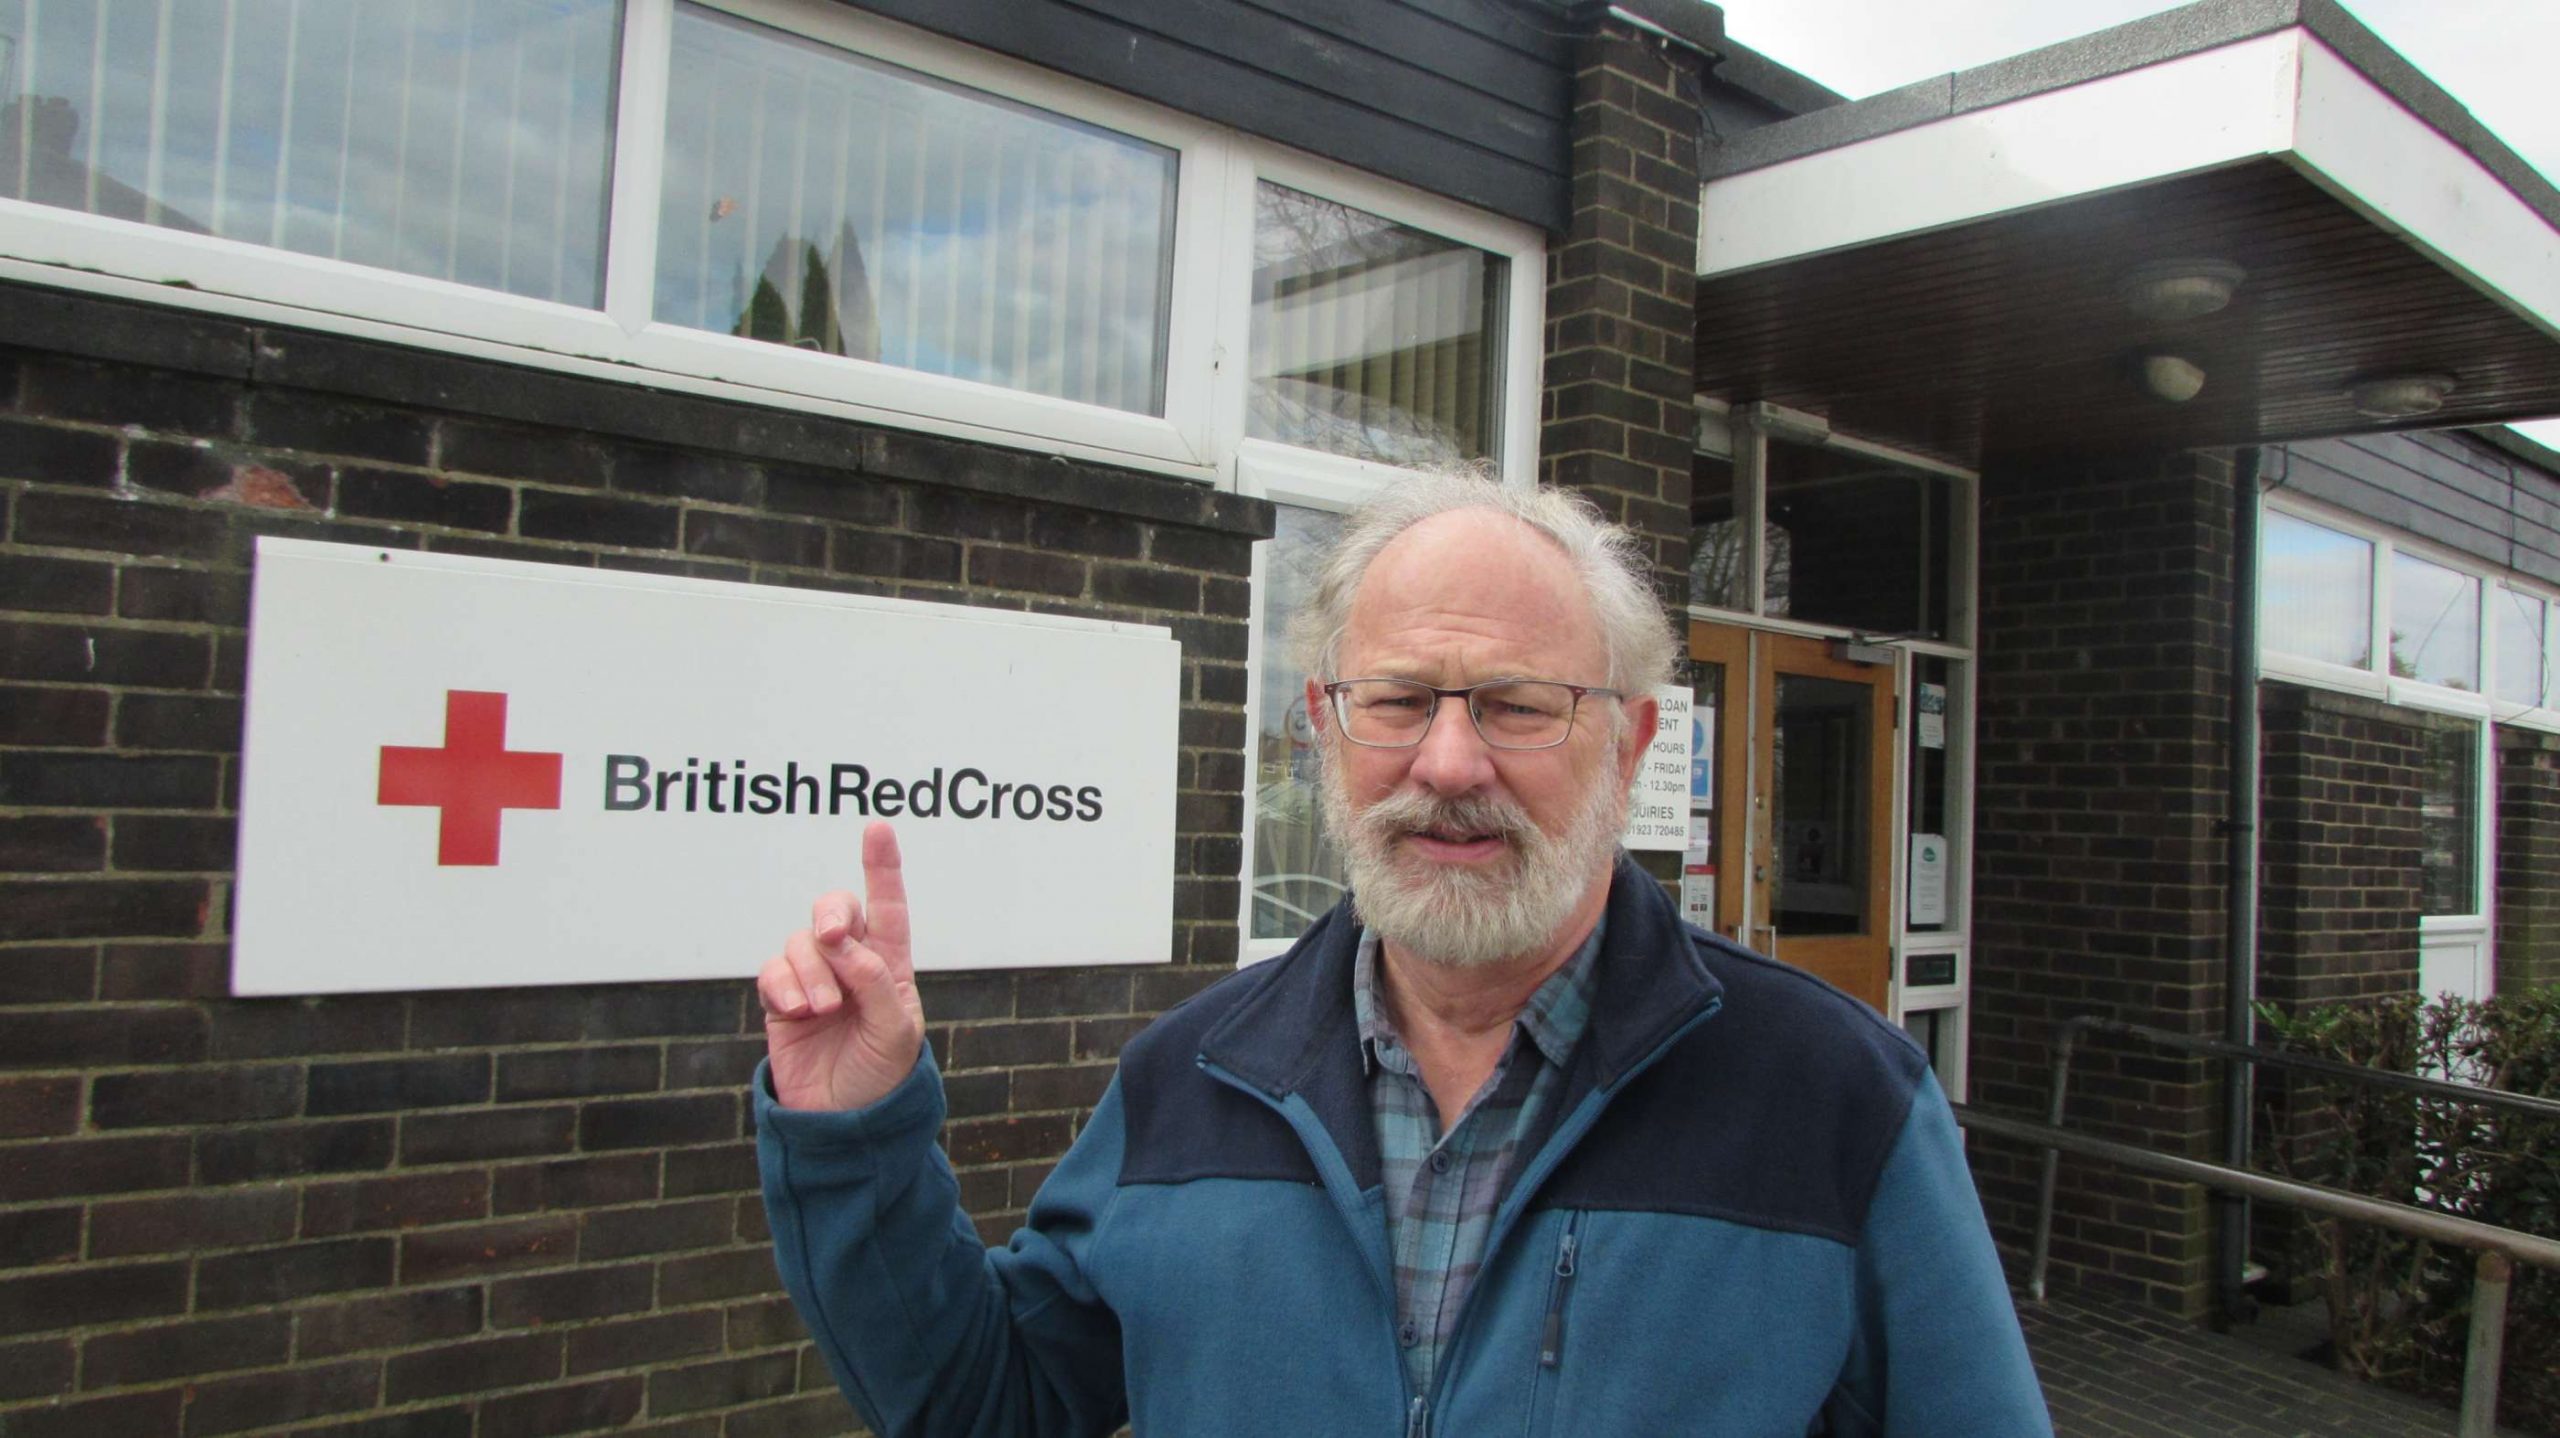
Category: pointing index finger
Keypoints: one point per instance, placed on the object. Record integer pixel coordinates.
(884, 887)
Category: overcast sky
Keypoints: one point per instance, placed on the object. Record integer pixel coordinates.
(2493, 55)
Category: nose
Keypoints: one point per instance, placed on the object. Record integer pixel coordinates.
(1452, 757)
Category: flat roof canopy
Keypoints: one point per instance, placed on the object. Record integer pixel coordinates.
(1944, 266)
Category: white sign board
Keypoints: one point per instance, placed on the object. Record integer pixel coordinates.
(464, 772)
(1933, 716)
(1928, 890)
(1658, 813)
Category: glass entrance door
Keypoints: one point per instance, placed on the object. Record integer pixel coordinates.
(1792, 820)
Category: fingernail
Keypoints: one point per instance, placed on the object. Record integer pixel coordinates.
(793, 1001)
(824, 996)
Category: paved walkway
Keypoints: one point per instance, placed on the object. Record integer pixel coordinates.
(2112, 1370)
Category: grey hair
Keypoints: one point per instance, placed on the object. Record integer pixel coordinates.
(1610, 563)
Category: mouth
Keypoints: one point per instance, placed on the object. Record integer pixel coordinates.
(1451, 843)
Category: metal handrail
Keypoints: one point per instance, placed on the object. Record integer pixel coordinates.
(2499, 1248)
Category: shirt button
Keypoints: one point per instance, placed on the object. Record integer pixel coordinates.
(1408, 1333)
(1440, 1161)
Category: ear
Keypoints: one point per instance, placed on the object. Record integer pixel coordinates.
(1644, 714)
(1319, 710)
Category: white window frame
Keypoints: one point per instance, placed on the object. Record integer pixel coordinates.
(1199, 436)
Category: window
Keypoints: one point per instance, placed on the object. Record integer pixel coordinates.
(468, 143)
(2528, 648)
(2435, 624)
(2449, 822)
(2316, 591)
(1297, 875)
(787, 201)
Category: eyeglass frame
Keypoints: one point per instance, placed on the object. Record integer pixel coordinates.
(1333, 691)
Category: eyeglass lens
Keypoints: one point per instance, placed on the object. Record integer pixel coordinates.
(1514, 714)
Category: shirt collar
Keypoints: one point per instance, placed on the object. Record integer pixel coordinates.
(1553, 1019)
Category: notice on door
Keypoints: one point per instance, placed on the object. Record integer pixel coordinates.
(1928, 896)
(1658, 812)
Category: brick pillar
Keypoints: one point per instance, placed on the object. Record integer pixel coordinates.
(2528, 893)
(2105, 603)
(1622, 291)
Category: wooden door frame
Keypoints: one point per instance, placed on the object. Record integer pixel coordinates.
(1862, 963)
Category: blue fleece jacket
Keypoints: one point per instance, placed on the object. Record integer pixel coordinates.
(1748, 1214)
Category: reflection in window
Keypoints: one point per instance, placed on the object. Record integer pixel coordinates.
(2435, 623)
(1857, 542)
(820, 200)
(461, 142)
(1719, 541)
(1296, 875)
(2316, 592)
(1371, 339)
(2449, 821)
(2524, 660)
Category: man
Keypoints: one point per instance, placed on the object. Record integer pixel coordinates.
(1499, 1147)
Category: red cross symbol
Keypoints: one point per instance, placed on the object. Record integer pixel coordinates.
(473, 778)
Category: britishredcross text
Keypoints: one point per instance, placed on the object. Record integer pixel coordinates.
(631, 784)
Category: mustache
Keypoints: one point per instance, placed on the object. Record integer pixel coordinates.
(1415, 811)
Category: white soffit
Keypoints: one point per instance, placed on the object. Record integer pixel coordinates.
(2286, 96)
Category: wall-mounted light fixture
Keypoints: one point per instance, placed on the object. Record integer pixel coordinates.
(2400, 396)
(2163, 291)
(2174, 378)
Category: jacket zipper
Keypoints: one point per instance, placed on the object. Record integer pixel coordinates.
(1417, 1418)
(1551, 1338)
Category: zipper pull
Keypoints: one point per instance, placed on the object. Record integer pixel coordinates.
(1551, 1338)
(1417, 1419)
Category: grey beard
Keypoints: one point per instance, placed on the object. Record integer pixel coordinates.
(1469, 917)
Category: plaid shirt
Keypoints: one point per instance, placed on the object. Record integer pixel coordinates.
(1442, 1190)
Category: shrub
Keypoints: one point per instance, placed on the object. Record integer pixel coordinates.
(2400, 1308)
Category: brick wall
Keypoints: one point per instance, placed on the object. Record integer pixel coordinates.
(2098, 886)
(2339, 847)
(482, 1213)
(2528, 789)
(1620, 413)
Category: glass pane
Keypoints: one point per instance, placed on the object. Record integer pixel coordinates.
(2435, 623)
(1858, 542)
(2316, 592)
(1707, 787)
(1936, 727)
(462, 142)
(2449, 821)
(1296, 875)
(817, 199)
(1719, 549)
(2516, 625)
(1371, 339)
(1820, 795)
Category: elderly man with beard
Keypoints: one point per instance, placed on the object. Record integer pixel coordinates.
(1500, 1146)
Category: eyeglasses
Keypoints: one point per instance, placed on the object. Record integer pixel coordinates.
(1508, 713)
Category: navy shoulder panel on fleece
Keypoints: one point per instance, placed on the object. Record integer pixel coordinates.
(1780, 1113)
(1185, 1124)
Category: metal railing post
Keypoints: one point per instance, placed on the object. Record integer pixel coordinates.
(2064, 1043)
(2487, 1350)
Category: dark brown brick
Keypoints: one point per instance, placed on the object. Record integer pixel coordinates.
(521, 452)
(479, 1018)
(1146, 586)
(38, 1107)
(813, 1415)
(987, 1046)
(183, 596)
(125, 395)
(577, 1072)
(1007, 1140)
(192, 1222)
(294, 420)
(422, 497)
(71, 718)
(649, 1010)
(398, 1202)
(574, 1183)
(721, 1168)
(721, 1383)
(1026, 569)
(380, 1085)
(765, 1323)
(46, 778)
(203, 722)
(57, 586)
(121, 527)
(155, 1412)
(685, 474)
(277, 1275)
(71, 1167)
(179, 1350)
(562, 1408)
(473, 1367)
(452, 1422)
(710, 1277)
(657, 1228)
(175, 843)
(506, 1246)
(80, 1297)
(596, 519)
(286, 1150)
(56, 454)
(1079, 1087)
(643, 1342)
(720, 1063)
(164, 971)
(721, 534)
(284, 1028)
(658, 1122)
(39, 1369)
(486, 1134)
(33, 1237)
(1051, 993)
(201, 1094)
(266, 1401)
(396, 1320)
(571, 1295)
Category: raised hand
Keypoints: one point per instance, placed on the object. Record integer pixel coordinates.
(842, 1023)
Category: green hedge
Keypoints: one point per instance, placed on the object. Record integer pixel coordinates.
(2400, 1308)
